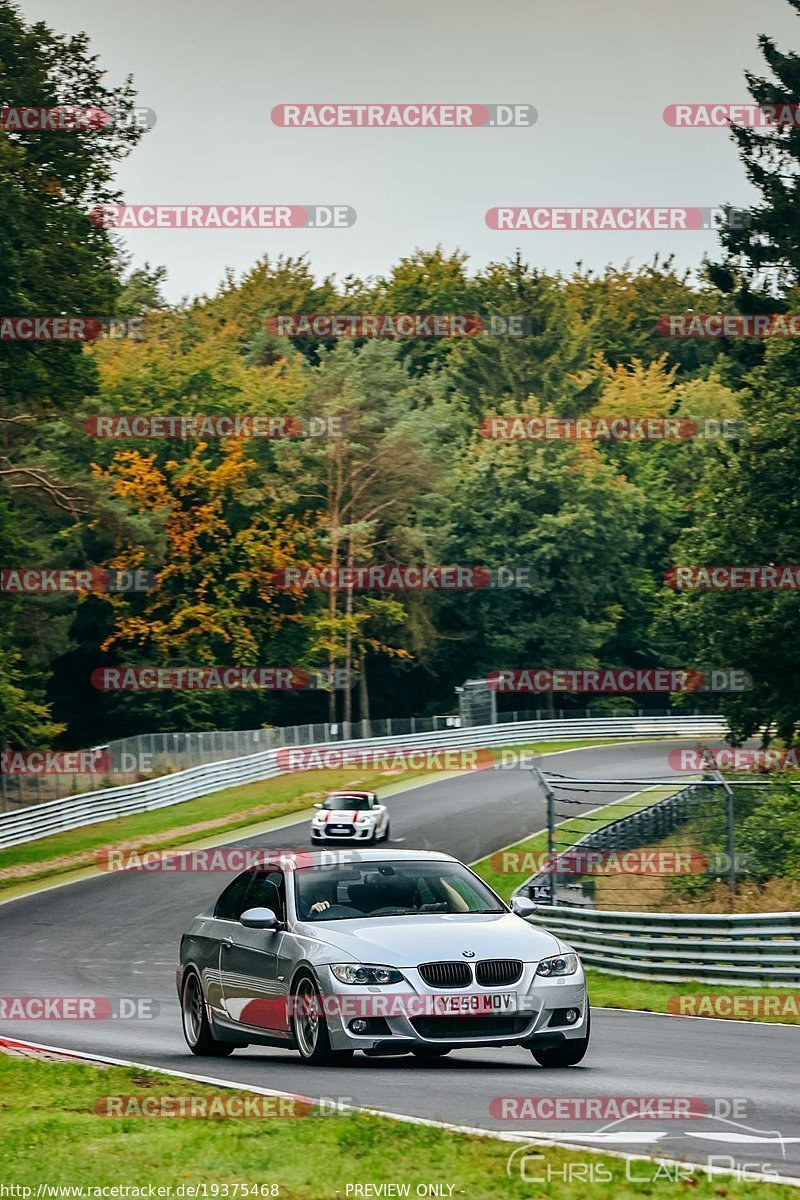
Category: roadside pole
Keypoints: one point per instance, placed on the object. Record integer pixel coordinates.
(731, 831)
(551, 835)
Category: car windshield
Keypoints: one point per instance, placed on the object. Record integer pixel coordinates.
(347, 803)
(350, 891)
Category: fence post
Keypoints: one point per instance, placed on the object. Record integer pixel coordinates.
(551, 835)
(731, 832)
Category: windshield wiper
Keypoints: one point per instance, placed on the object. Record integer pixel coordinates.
(421, 912)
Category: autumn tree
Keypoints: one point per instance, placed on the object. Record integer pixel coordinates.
(368, 485)
(54, 262)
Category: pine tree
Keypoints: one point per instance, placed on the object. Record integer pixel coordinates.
(767, 243)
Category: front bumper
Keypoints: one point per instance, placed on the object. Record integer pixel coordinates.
(400, 1018)
(358, 833)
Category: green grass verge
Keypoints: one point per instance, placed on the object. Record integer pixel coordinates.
(617, 991)
(232, 809)
(49, 1134)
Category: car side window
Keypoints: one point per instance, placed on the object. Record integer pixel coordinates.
(268, 891)
(232, 902)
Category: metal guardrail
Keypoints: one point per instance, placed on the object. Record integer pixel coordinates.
(739, 949)
(60, 815)
(144, 756)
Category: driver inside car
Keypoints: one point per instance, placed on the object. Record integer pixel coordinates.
(327, 900)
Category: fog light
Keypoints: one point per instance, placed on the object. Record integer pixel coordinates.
(571, 1016)
(358, 1026)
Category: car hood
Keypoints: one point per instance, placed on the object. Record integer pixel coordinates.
(432, 937)
(344, 816)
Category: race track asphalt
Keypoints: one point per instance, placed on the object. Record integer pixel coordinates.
(117, 935)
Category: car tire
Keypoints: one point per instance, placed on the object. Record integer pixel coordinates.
(569, 1053)
(195, 1024)
(310, 1028)
(385, 837)
(429, 1052)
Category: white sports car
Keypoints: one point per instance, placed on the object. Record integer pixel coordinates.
(350, 817)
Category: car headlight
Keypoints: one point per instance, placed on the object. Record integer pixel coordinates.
(319, 819)
(365, 819)
(357, 973)
(558, 964)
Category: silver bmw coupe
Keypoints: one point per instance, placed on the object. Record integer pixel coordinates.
(382, 951)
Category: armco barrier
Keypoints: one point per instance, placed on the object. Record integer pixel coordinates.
(740, 949)
(146, 755)
(75, 811)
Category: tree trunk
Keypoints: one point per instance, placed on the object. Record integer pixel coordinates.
(348, 640)
(363, 691)
(335, 491)
(332, 610)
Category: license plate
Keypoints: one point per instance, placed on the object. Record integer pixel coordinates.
(338, 828)
(474, 1004)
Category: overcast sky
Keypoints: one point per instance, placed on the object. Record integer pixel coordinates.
(599, 72)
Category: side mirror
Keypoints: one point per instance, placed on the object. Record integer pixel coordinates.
(259, 918)
(316, 806)
(523, 906)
